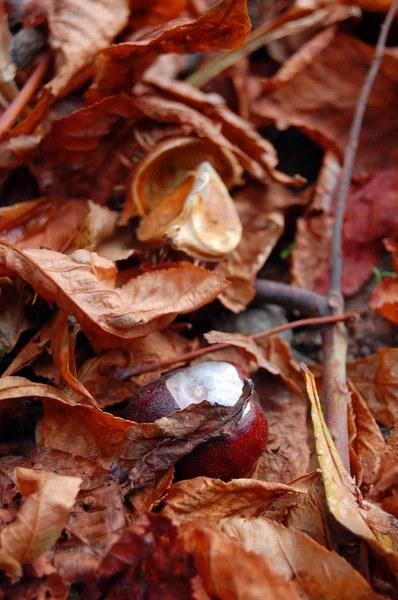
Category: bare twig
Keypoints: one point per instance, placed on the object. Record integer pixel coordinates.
(123, 374)
(291, 297)
(334, 337)
(10, 115)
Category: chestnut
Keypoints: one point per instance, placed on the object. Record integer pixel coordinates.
(226, 456)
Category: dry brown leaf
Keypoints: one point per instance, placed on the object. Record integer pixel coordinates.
(262, 229)
(342, 496)
(287, 454)
(78, 31)
(369, 217)
(12, 314)
(230, 572)
(213, 498)
(304, 510)
(48, 501)
(244, 342)
(385, 485)
(367, 443)
(225, 25)
(334, 80)
(63, 344)
(34, 348)
(96, 373)
(376, 378)
(46, 222)
(292, 554)
(239, 131)
(99, 225)
(151, 546)
(81, 284)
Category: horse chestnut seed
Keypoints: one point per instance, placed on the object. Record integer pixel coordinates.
(220, 383)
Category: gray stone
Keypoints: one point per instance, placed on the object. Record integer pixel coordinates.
(254, 320)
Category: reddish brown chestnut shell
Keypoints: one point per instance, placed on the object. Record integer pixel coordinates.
(226, 456)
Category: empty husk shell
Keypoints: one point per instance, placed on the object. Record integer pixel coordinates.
(166, 167)
(197, 217)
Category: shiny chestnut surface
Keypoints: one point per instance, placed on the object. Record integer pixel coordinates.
(226, 456)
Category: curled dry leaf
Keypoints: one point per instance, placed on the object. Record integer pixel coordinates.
(343, 497)
(376, 378)
(239, 131)
(77, 156)
(48, 501)
(49, 221)
(334, 80)
(244, 342)
(316, 571)
(34, 348)
(99, 225)
(367, 443)
(78, 32)
(63, 344)
(12, 314)
(225, 25)
(81, 284)
(197, 217)
(228, 571)
(215, 499)
(150, 545)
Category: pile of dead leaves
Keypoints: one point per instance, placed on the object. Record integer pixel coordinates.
(153, 156)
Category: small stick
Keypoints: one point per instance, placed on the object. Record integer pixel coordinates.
(334, 337)
(291, 297)
(12, 113)
(123, 374)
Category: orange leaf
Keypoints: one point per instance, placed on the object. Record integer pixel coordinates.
(80, 285)
(48, 501)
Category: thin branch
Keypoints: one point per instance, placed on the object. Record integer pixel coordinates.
(336, 392)
(123, 374)
(291, 297)
(12, 113)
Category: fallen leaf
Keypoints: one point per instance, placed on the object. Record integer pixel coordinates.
(287, 454)
(34, 348)
(63, 344)
(244, 342)
(334, 80)
(342, 496)
(316, 571)
(368, 219)
(230, 572)
(154, 12)
(81, 284)
(376, 378)
(13, 320)
(48, 501)
(150, 545)
(215, 499)
(367, 443)
(224, 25)
(262, 230)
(78, 32)
(99, 225)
